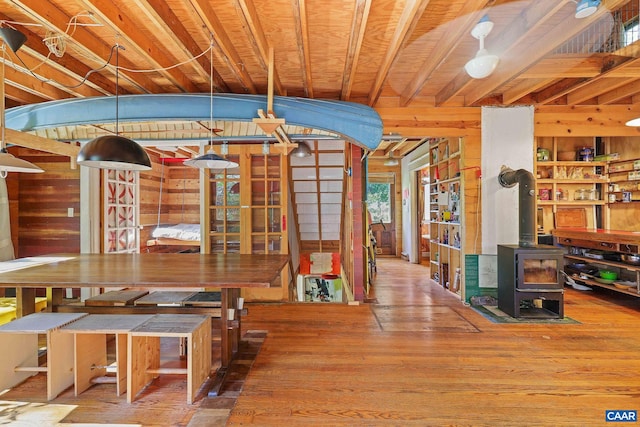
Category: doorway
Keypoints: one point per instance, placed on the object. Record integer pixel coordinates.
(381, 205)
(423, 215)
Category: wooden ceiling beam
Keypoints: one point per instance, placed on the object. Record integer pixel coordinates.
(33, 86)
(53, 76)
(129, 31)
(85, 42)
(564, 66)
(204, 9)
(587, 88)
(523, 88)
(410, 17)
(356, 37)
(302, 39)
(259, 41)
(616, 95)
(598, 87)
(21, 97)
(39, 143)
(162, 17)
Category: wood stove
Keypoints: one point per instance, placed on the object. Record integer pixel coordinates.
(529, 275)
(530, 281)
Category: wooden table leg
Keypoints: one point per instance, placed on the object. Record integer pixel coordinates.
(54, 298)
(25, 301)
(228, 300)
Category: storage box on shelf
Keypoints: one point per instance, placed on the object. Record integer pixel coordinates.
(445, 213)
(603, 250)
(568, 177)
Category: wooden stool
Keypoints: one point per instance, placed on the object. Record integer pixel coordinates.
(90, 347)
(144, 351)
(19, 358)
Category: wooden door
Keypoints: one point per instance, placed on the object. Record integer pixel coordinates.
(247, 210)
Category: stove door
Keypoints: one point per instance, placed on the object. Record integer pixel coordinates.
(539, 271)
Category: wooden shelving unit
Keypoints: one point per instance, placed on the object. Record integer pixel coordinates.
(569, 184)
(446, 212)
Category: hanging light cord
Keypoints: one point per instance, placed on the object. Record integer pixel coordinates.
(118, 47)
(102, 67)
(2, 125)
(211, 126)
(83, 81)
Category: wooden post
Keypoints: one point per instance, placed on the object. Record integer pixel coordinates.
(358, 224)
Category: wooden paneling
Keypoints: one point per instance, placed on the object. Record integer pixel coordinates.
(43, 203)
(470, 171)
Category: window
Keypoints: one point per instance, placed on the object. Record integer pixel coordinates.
(631, 29)
(379, 201)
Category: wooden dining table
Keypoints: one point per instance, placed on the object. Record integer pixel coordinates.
(155, 271)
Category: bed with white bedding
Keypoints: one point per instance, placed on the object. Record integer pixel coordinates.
(176, 234)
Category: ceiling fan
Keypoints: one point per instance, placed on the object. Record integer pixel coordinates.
(484, 63)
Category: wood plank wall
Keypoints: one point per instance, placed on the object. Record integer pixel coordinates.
(41, 203)
(470, 172)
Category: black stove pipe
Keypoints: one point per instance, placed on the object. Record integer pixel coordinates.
(526, 202)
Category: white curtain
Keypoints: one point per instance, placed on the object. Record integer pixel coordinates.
(6, 246)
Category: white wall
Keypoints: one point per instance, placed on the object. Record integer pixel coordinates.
(507, 139)
(416, 160)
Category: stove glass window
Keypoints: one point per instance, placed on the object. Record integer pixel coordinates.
(540, 271)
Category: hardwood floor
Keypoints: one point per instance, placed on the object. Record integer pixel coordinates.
(414, 356)
(420, 357)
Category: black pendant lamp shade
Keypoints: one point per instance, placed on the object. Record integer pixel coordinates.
(13, 38)
(114, 152)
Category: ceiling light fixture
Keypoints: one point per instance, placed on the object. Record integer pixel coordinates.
(391, 161)
(210, 160)
(265, 148)
(114, 151)
(8, 163)
(633, 122)
(585, 8)
(483, 64)
(302, 150)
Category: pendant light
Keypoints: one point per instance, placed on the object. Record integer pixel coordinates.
(210, 160)
(302, 150)
(8, 163)
(114, 151)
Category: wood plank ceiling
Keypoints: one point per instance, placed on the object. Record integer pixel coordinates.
(382, 53)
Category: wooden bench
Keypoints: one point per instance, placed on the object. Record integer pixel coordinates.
(90, 348)
(19, 360)
(144, 351)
